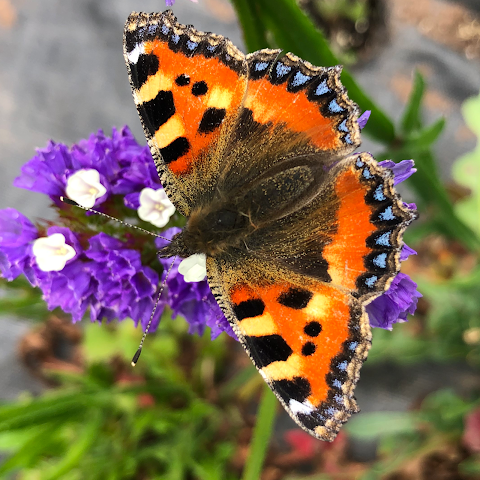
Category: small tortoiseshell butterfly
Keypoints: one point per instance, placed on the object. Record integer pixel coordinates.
(299, 234)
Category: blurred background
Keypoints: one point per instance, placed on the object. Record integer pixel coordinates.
(62, 77)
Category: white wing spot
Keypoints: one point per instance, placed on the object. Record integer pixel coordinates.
(297, 407)
(135, 53)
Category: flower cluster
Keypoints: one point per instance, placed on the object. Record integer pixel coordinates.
(116, 275)
(82, 271)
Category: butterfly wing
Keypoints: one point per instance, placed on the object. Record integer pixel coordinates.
(308, 339)
(188, 87)
(209, 111)
(297, 301)
(309, 100)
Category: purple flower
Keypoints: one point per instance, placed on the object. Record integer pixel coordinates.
(363, 119)
(16, 235)
(124, 287)
(107, 278)
(125, 167)
(393, 306)
(402, 296)
(192, 300)
(401, 170)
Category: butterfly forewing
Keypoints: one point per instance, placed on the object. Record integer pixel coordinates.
(188, 87)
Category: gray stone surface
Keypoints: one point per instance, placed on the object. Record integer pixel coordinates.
(14, 377)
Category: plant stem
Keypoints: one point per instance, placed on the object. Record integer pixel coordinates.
(261, 435)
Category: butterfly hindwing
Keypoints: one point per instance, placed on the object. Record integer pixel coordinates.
(308, 339)
(363, 253)
(296, 302)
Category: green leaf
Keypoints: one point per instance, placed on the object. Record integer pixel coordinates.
(411, 118)
(426, 137)
(466, 170)
(32, 449)
(76, 451)
(254, 31)
(369, 426)
(48, 408)
(37, 415)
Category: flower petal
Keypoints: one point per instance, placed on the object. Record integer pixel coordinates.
(194, 268)
(84, 187)
(363, 119)
(395, 304)
(401, 170)
(52, 253)
(155, 207)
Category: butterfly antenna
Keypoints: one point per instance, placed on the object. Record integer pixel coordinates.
(139, 351)
(75, 204)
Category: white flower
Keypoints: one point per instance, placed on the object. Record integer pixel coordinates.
(155, 207)
(84, 187)
(194, 268)
(52, 253)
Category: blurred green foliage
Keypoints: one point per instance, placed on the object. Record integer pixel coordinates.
(466, 170)
(107, 422)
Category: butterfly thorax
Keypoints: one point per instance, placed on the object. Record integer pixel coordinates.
(229, 219)
(211, 232)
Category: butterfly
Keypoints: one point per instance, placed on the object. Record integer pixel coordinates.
(298, 232)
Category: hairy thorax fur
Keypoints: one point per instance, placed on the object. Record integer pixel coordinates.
(229, 220)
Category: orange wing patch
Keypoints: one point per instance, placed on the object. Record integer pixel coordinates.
(363, 255)
(345, 254)
(307, 99)
(188, 87)
(205, 93)
(308, 344)
(267, 103)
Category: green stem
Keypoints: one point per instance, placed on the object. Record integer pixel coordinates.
(261, 435)
(253, 28)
